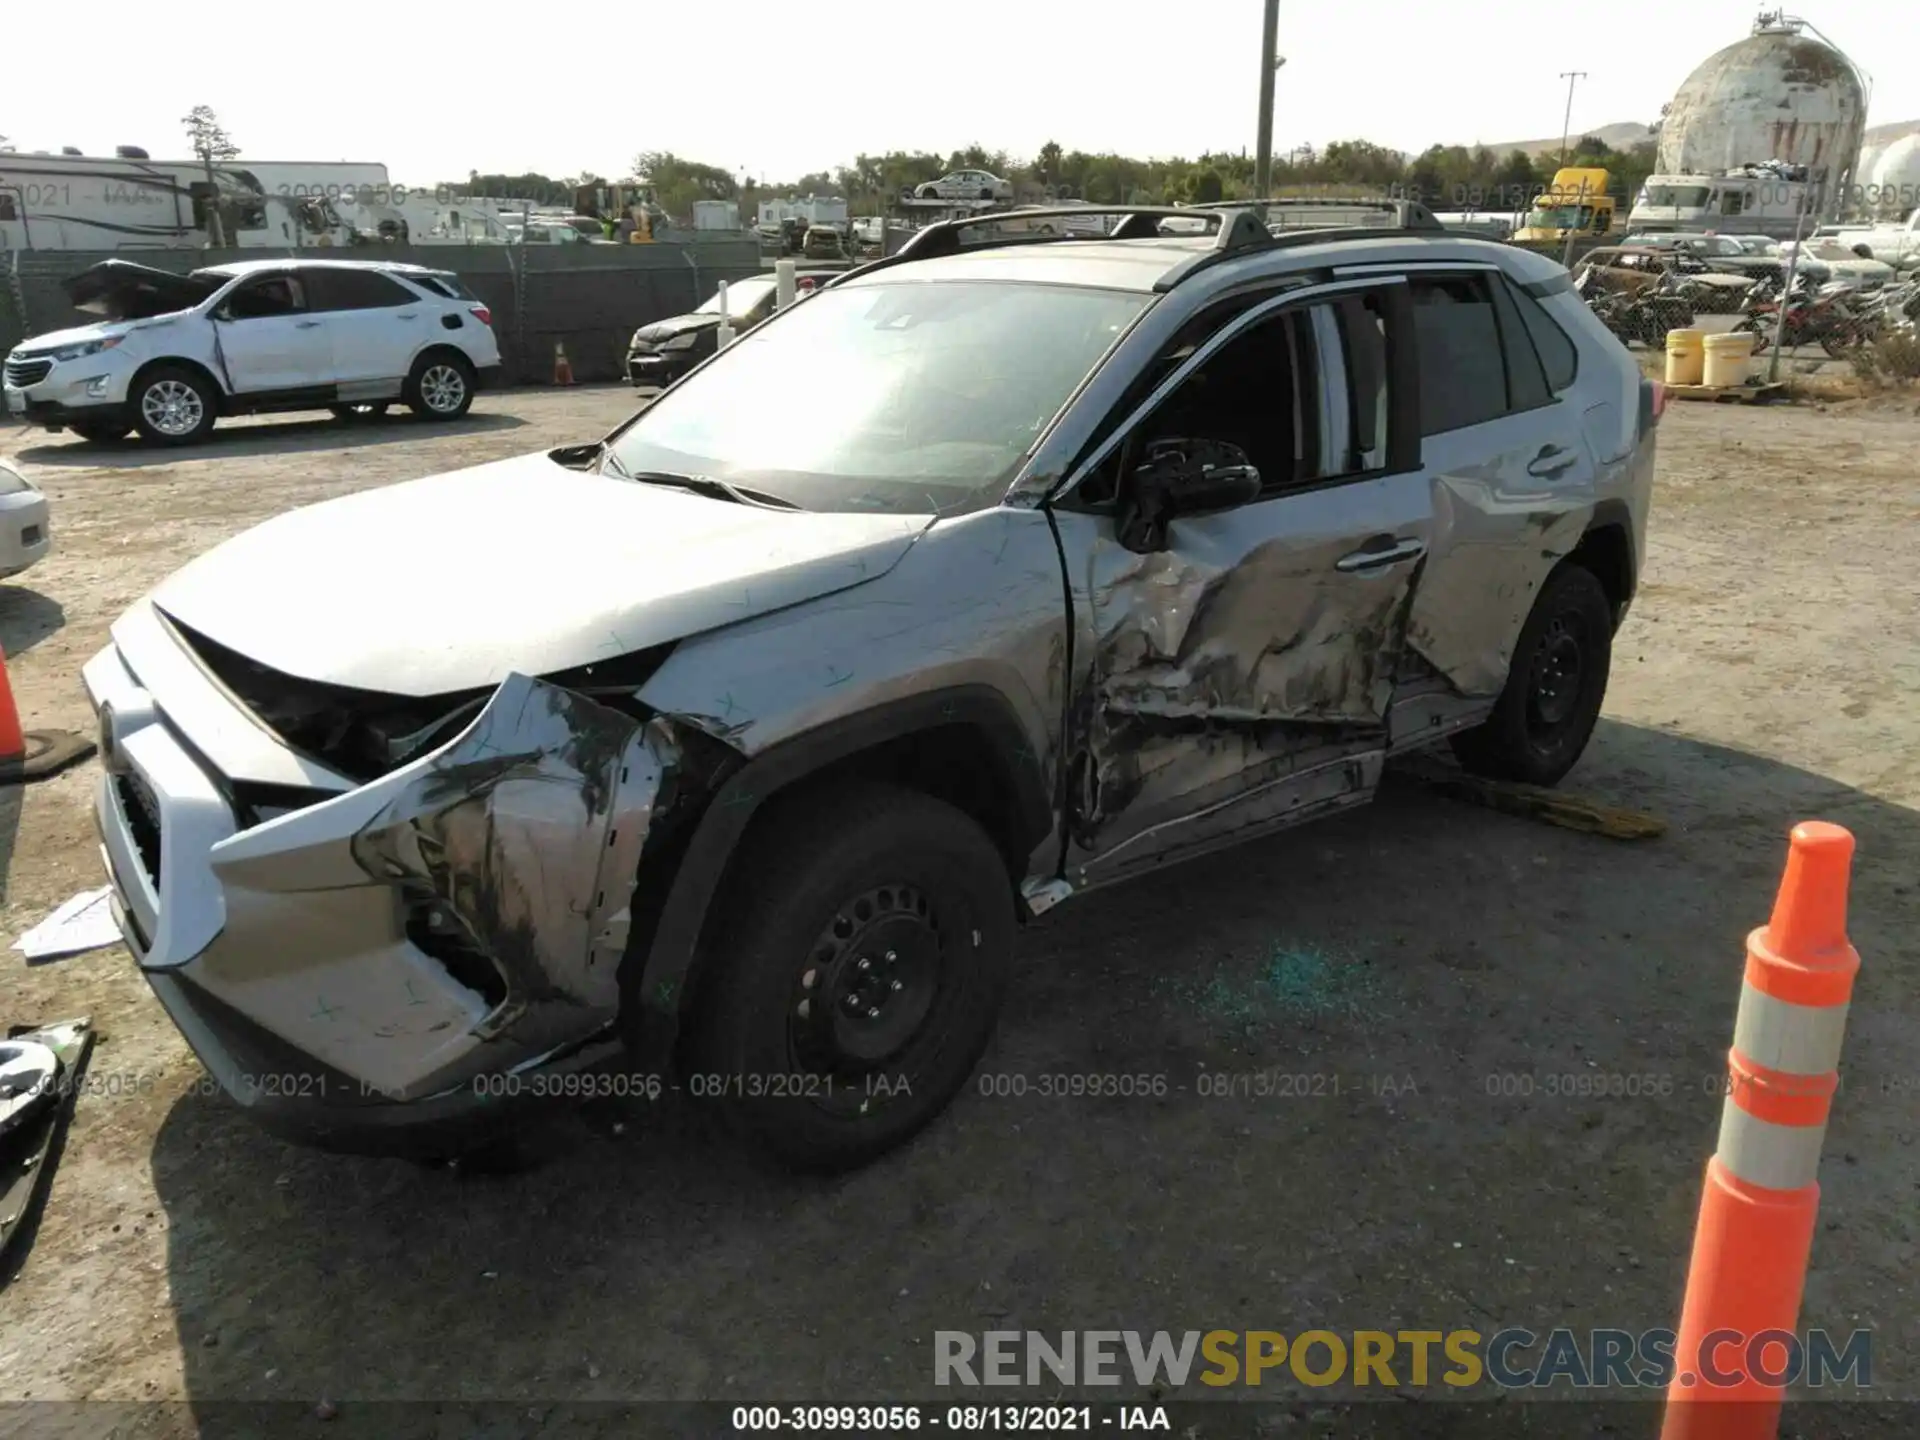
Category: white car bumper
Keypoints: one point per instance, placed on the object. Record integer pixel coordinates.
(24, 534)
(44, 391)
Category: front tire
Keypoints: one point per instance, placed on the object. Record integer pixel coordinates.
(172, 405)
(1555, 685)
(440, 388)
(860, 975)
(100, 433)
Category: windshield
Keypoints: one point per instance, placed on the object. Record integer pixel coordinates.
(1561, 217)
(908, 397)
(742, 296)
(1685, 197)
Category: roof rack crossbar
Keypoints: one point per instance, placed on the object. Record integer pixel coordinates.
(1407, 214)
(1138, 222)
(1234, 226)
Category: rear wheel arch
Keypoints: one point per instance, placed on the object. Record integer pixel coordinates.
(1606, 551)
(964, 745)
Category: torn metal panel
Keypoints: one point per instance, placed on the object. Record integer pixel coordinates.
(1495, 542)
(1238, 654)
(527, 831)
(479, 897)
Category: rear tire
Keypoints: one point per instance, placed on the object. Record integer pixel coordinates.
(173, 405)
(440, 387)
(1555, 686)
(859, 975)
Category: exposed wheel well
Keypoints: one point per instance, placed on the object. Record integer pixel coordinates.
(955, 763)
(1605, 552)
(960, 763)
(174, 362)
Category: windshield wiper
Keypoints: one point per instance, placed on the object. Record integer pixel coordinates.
(707, 485)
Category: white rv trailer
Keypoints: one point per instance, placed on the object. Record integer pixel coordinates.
(129, 202)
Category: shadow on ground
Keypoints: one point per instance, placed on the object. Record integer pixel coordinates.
(26, 618)
(239, 441)
(1415, 974)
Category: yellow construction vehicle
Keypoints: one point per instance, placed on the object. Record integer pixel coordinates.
(1577, 203)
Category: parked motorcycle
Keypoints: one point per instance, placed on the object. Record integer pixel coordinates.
(1644, 315)
(1831, 316)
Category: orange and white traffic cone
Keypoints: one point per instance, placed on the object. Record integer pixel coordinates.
(562, 367)
(1755, 1232)
(32, 754)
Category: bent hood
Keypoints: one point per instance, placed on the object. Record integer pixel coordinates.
(454, 582)
(122, 290)
(676, 325)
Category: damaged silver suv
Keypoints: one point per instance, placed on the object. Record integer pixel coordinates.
(1002, 569)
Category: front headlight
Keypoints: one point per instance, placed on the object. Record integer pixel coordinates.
(684, 341)
(12, 482)
(84, 349)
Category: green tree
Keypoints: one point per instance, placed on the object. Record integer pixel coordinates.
(211, 145)
(677, 183)
(1204, 186)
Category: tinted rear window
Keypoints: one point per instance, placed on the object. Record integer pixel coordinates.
(443, 284)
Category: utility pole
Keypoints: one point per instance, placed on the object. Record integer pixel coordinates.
(1269, 63)
(1571, 77)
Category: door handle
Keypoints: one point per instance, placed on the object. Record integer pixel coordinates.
(305, 324)
(1551, 461)
(408, 316)
(1379, 553)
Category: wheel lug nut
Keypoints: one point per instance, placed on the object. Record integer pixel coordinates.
(895, 986)
(863, 964)
(891, 957)
(874, 1013)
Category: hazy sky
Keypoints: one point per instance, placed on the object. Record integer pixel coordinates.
(780, 89)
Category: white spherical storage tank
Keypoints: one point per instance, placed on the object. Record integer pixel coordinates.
(1893, 184)
(1776, 95)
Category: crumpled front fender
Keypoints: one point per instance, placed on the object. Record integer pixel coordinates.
(465, 914)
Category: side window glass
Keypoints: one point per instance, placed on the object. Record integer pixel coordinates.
(1526, 380)
(1259, 394)
(1462, 372)
(1362, 325)
(264, 299)
(342, 289)
(1556, 351)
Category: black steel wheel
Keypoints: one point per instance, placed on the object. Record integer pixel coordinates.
(1556, 684)
(857, 976)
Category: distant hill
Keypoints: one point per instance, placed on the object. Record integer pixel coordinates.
(1623, 136)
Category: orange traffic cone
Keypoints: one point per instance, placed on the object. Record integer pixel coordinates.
(562, 367)
(32, 754)
(1732, 1355)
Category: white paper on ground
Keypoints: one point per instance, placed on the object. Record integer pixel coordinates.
(84, 923)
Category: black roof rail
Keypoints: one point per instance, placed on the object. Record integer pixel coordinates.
(1230, 230)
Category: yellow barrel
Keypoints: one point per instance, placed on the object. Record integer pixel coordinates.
(1685, 357)
(1728, 359)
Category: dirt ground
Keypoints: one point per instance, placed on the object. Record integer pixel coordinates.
(1415, 953)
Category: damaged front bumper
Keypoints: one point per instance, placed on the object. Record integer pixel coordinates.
(391, 964)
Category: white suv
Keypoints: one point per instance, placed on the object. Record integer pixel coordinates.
(173, 353)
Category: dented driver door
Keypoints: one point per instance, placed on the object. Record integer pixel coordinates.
(1242, 669)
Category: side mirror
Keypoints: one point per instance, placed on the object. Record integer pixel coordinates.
(1182, 478)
